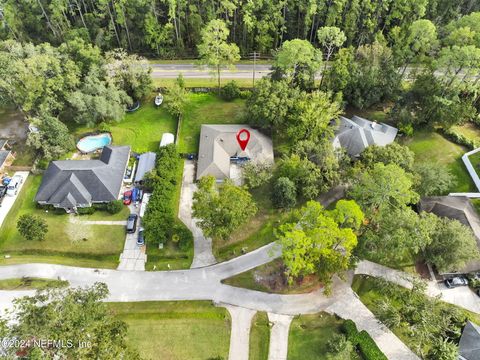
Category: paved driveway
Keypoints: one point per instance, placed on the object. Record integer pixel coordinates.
(133, 256)
(8, 201)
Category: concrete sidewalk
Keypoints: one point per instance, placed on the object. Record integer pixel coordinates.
(8, 201)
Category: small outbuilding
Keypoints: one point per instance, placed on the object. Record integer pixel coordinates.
(146, 163)
(167, 139)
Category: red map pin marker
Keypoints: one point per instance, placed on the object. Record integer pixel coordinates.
(243, 136)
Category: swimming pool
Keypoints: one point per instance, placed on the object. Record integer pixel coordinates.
(91, 143)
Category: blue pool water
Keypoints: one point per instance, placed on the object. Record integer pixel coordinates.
(94, 142)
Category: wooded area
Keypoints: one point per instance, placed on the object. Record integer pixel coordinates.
(172, 28)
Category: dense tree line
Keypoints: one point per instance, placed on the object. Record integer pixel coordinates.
(172, 28)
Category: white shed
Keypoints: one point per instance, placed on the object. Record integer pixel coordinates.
(167, 138)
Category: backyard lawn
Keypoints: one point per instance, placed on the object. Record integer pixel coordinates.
(430, 146)
(142, 129)
(194, 330)
(210, 82)
(65, 243)
(469, 130)
(206, 109)
(309, 335)
(259, 337)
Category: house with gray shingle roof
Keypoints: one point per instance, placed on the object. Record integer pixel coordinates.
(218, 144)
(69, 184)
(458, 208)
(469, 346)
(355, 134)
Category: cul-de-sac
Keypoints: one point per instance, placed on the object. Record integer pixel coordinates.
(240, 180)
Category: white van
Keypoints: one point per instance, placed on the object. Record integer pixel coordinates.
(13, 185)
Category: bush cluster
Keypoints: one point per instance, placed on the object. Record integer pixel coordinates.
(459, 138)
(363, 341)
(230, 91)
(159, 220)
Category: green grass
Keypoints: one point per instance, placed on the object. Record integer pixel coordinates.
(65, 243)
(469, 130)
(193, 330)
(206, 109)
(195, 61)
(430, 146)
(142, 129)
(309, 335)
(27, 283)
(168, 258)
(259, 337)
(257, 232)
(208, 82)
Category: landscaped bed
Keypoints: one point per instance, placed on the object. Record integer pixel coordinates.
(194, 330)
(65, 243)
(271, 278)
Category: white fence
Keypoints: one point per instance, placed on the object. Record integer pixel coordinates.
(473, 175)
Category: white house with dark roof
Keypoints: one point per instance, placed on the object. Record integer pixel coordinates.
(355, 134)
(218, 144)
(70, 184)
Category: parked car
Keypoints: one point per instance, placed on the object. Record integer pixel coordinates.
(3, 191)
(140, 238)
(132, 223)
(13, 185)
(456, 282)
(127, 197)
(139, 195)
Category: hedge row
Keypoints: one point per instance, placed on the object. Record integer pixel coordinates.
(159, 220)
(363, 341)
(459, 138)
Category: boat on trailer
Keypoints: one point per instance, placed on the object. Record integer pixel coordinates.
(159, 99)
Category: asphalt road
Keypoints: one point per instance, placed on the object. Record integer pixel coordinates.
(241, 71)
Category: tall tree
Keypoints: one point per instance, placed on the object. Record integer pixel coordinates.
(313, 242)
(221, 210)
(214, 50)
(330, 38)
(72, 317)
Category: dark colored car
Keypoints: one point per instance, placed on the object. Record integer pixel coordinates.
(139, 195)
(132, 223)
(127, 197)
(3, 191)
(456, 282)
(140, 238)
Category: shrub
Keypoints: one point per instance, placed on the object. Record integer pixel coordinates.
(230, 91)
(103, 126)
(86, 210)
(337, 343)
(284, 193)
(114, 207)
(363, 341)
(459, 138)
(185, 237)
(32, 227)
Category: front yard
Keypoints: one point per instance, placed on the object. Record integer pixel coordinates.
(194, 330)
(66, 243)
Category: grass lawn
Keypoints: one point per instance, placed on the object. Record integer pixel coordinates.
(65, 243)
(255, 233)
(27, 283)
(365, 288)
(142, 129)
(469, 130)
(194, 330)
(195, 61)
(309, 335)
(206, 109)
(430, 146)
(259, 337)
(271, 278)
